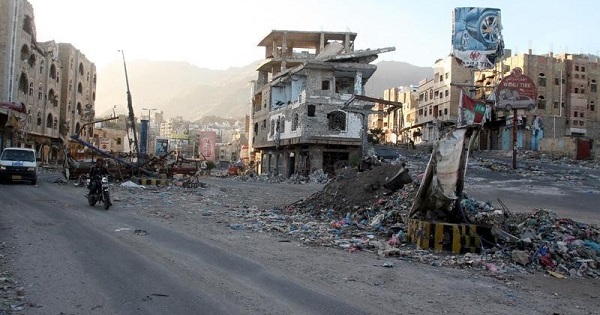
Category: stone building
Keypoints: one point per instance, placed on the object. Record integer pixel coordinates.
(438, 98)
(53, 83)
(307, 113)
(567, 98)
(397, 120)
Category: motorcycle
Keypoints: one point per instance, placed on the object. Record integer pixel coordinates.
(100, 193)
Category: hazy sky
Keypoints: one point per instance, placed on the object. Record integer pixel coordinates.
(225, 33)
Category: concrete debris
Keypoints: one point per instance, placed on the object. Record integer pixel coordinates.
(355, 212)
(131, 184)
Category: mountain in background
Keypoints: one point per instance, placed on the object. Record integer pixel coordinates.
(182, 89)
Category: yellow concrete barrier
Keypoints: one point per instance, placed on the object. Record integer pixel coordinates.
(441, 236)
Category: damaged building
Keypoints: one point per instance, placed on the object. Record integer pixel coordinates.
(309, 110)
(47, 89)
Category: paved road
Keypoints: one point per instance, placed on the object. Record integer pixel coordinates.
(81, 260)
(567, 188)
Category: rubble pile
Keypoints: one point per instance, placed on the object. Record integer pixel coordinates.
(351, 191)
(354, 213)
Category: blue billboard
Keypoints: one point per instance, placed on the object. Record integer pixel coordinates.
(477, 37)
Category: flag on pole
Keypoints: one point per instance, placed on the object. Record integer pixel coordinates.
(470, 111)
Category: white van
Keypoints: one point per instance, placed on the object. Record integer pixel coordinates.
(17, 164)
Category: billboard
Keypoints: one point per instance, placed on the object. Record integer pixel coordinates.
(161, 147)
(207, 145)
(515, 91)
(476, 37)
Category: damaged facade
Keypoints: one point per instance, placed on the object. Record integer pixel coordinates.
(565, 112)
(53, 84)
(564, 122)
(305, 111)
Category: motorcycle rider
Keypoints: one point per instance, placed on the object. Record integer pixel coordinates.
(96, 173)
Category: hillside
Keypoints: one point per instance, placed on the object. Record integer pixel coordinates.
(182, 89)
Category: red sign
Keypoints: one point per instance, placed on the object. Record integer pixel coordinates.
(516, 91)
(473, 111)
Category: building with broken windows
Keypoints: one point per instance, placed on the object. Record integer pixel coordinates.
(565, 119)
(47, 89)
(396, 121)
(309, 110)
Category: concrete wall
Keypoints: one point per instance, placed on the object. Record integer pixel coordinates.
(559, 147)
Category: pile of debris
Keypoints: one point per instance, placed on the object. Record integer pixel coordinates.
(355, 212)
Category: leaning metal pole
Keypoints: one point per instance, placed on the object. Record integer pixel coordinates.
(136, 151)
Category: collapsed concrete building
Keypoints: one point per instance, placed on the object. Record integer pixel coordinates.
(309, 110)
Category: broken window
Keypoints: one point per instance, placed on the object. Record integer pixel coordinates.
(281, 124)
(336, 120)
(272, 127)
(49, 121)
(344, 85)
(39, 118)
(325, 85)
(295, 119)
(592, 106)
(255, 128)
(311, 110)
(541, 102)
(542, 79)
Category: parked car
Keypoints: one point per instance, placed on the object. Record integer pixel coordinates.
(18, 164)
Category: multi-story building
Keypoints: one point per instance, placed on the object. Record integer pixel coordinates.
(307, 113)
(78, 95)
(46, 80)
(567, 95)
(397, 119)
(438, 98)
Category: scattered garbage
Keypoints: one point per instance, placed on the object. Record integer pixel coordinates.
(354, 211)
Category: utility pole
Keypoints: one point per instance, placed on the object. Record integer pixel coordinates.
(136, 150)
(514, 140)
